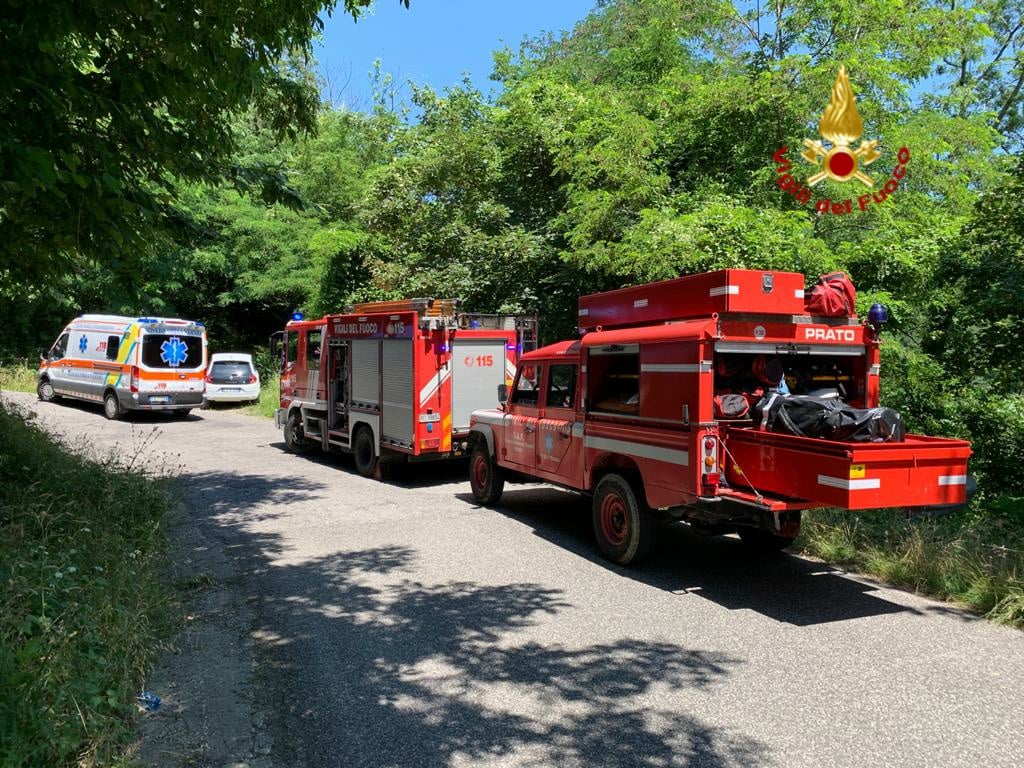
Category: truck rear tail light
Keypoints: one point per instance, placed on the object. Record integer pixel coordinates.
(434, 442)
(133, 381)
(709, 445)
(710, 479)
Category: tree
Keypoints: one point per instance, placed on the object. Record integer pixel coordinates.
(107, 107)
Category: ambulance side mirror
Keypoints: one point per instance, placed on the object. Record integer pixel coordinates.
(503, 394)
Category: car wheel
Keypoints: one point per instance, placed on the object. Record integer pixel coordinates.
(45, 391)
(624, 525)
(362, 451)
(294, 437)
(486, 478)
(111, 406)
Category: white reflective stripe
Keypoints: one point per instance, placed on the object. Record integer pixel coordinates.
(434, 384)
(799, 293)
(722, 290)
(584, 312)
(577, 429)
(639, 450)
(639, 303)
(952, 479)
(874, 369)
(510, 369)
(850, 485)
(671, 367)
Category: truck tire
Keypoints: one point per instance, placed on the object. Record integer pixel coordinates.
(45, 391)
(294, 438)
(624, 525)
(764, 542)
(111, 406)
(363, 453)
(486, 478)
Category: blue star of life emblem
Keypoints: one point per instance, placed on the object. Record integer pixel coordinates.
(173, 351)
(83, 343)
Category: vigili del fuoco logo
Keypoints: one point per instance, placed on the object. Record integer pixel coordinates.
(841, 127)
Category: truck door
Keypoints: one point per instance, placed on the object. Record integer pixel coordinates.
(557, 447)
(522, 417)
(478, 369)
(57, 367)
(337, 385)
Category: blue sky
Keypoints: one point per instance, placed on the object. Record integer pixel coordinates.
(434, 42)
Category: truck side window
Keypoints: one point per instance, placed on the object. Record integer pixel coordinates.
(113, 345)
(561, 390)
(527, 386)
(313, 340)
(616, 385)
(291, 346)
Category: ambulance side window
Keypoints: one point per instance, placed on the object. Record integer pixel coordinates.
(59, 348)
(561, 392)
(113, 345)
(313, 340)
(527, 387)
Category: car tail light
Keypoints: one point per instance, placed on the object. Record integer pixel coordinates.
(209, 378)
(252, 378)
(133, 382)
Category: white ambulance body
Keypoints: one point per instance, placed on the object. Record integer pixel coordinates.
(127, 364)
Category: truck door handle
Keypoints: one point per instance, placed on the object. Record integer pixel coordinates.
(564, 433)
(529, 429)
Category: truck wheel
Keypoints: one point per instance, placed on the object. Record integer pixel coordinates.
(486, 478)
(111, 406)
(623, 524)
(764, 542)
(362, 450)
(294, 438)
(45, 391)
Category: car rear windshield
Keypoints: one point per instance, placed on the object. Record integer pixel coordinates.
(230, 369)
(172, 351)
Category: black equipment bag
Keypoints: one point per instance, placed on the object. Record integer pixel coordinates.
(829, 419)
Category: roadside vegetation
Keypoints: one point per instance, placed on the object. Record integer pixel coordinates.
(18, 376)
(82, 600)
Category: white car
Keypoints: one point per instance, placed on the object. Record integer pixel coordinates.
(231, 378)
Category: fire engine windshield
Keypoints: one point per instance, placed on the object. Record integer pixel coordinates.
(172, 350)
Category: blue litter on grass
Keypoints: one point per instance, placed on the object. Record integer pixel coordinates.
(149, 700)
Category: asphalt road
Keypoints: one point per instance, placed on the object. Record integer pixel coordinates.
(398, 624)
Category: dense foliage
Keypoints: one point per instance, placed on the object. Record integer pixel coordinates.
(637, 146)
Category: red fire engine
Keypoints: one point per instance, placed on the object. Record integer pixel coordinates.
(628, 414)
(393, 380)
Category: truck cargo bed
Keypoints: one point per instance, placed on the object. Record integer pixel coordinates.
(921, 471)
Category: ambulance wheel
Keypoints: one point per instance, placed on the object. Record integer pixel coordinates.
(294, 438)
(764, 542)
(624, 525)
(111, 406)
(45, 391)
(362, 451)
(486, 479)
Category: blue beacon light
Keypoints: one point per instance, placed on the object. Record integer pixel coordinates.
(297, 316)
(878, 315)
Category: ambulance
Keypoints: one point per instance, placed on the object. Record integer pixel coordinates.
(127, 364)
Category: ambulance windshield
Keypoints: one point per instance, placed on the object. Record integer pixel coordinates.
(172, 350)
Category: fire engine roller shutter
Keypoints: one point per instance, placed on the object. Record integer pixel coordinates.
(365, 367)
(479, 367)
(398, 391)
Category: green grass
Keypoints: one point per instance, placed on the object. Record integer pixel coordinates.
(270, 398)
(18, 376)
(974, 557)
(82, 600)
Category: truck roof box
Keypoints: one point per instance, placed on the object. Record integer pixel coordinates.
(727, 290)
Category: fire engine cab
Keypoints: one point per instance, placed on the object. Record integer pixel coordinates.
(393, 380)
(632, 414)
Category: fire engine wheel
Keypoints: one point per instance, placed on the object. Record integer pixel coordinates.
(45, 391)
(363, 453)
(624, 525)
(764, 542)
(486, 479)
(294, 438)
(111, 406)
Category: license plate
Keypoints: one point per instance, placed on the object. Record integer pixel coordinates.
(230, 389)
(160, 399)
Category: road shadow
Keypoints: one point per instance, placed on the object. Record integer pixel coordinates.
(139, 417)
(783, 587)
(361, 664)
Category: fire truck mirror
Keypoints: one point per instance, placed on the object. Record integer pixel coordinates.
(503, 393)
